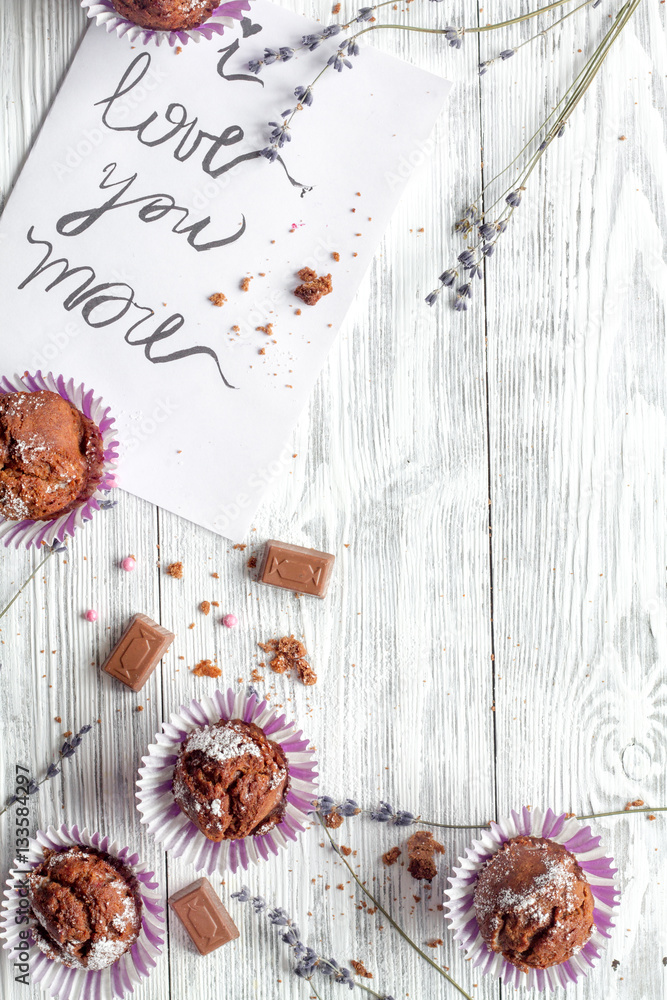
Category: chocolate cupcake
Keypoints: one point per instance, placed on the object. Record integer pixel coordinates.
(166, 15)
(85, 907)
(51, 456)
(533, 903)
(231, 781)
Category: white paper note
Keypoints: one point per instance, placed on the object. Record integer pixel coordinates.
(130, 181)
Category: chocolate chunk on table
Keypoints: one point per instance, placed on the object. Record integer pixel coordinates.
(138, 652)
(293, 567)
(206, 920)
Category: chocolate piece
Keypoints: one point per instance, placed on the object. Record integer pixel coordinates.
(199, 909)
(294, 567)
(138, 652)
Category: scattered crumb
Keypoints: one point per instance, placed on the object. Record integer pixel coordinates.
(360, 969)
(422, 849)
(218, 299)
(297, 312)
(58, 719)
(239, 547)
(262, 350)
(252, 562)
(391, 856)
(335, 9)
(313, 287)
(268, 329)
(346, 851)
(336, 256)
(177, 50)
(290, 655)
(140, 708)
(255, 676)
(175, 570)
(215, 576)
(634, 805)
(205, 607)
(245, 284)
(434, 943)
(191, 625)
(333, 821)
(206, 668)
(236, 328)
(69, 733)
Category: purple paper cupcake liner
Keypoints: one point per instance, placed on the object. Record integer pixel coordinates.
(105, 14)
(37, 533)
(590, 856)
(172, 828)
(57, 980)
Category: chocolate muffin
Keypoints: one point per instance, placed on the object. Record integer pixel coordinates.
(85, 907)
(533, 903)
(50, 456)
(166, 15)
(230, 780)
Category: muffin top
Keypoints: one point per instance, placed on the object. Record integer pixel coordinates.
(533, 903)
(85, 907)
(50, 455)
(166, 15)
(230, 780)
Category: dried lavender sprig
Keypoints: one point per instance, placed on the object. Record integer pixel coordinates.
(68, 749)
(558, 117)
(307, 960)
(387, 915)
(508, 53)
(57, 547)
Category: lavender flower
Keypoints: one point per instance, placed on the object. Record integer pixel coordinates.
(454, 36)
(514, 199)
(108, 504)
(365, 14)
(385, 813)
(304, 95)
(338, 61)
(307, 960)
(507, 54)
(32, 786)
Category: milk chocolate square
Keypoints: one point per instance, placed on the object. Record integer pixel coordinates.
(206, 920)
(293, 567)
(138, 652)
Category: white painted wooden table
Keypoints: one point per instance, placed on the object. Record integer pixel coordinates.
(493, 488)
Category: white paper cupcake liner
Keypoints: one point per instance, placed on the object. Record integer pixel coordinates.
(57, 980)
(36, 533)
(223, 17)
(172, 828)
(590, 856)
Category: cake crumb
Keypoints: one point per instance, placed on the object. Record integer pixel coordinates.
(434, 943)
(218, 299)
(333, 821)
(313, 287)
(268, 329)
(240, 547)
(290, 655)
(360, 969)
(345, 851)
(634, 805)
(336, 256)
(58, 719)
(175, 570)
(391, 856)
(245, 284)
(205, 607)
(422, 849)
(215, 576)
(252, 562)
(177, 50)
(335, 9)
(140, 708)
(206, 668)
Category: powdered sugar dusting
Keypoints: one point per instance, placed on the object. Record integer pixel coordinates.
(221, 743)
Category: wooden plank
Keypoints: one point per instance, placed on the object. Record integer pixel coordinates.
(577, 419)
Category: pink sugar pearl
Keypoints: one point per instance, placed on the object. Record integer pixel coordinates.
(128, 564)
(230, 621)
(91, 616)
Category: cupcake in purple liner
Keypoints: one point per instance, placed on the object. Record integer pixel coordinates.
(82, 916)
(57, 456)
(533, 899)
(173, 21)
(228, 782)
